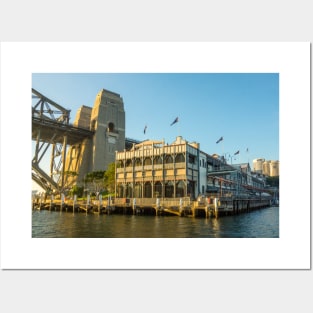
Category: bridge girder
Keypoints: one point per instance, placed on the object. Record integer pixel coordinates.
(51, 131)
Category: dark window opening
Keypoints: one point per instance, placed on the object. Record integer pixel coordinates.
(110, 127)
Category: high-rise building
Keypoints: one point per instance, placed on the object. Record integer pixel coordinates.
(274, 168)
(266, 167)
(258, 165)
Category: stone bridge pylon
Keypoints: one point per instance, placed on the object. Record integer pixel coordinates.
(87, 145)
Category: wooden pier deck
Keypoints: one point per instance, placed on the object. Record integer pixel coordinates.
(172, 207)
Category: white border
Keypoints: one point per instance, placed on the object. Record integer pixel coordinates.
(20, 251)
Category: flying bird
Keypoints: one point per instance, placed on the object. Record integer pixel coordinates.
(175, 121)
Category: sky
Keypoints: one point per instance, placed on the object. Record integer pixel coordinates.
(243, 108)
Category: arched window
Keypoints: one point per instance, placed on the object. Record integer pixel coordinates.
(169, 190)
(138, 162)
(128, 163)
(120, 164)
(180, 189)
(158, 189)
(168, 159)
(158, 160)
(147, 190)
(110, 127)
(137, 190)
(180, 158)
(129, 190)
(120, 191)
(147, 161)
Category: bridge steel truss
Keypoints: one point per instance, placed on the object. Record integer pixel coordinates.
(51, 129)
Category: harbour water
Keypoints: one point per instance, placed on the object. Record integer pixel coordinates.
(263, 223)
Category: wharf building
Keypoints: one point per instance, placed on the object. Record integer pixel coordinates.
(153, 169)
(150, 169)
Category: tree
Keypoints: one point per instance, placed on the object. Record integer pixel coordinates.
(109, 178)
(96, 180)
(272, 181)
(77, 190)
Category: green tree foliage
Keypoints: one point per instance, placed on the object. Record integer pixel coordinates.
(92, 176)
(109, 178)
(101, 181)
(77, 190)
(272, 181)
(95, 181)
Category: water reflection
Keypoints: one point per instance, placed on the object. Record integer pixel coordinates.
(258, 224)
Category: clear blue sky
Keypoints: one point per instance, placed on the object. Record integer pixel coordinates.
(243, 108)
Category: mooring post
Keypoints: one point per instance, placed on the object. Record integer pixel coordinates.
(180, 206)
(157, 206)
(134, 205)
(100, 203)
(51, 201)
(62, 201)
(207, 207)
(40, 204)
(108, 205)
(87, 203)
(74, 203)
(216, 207)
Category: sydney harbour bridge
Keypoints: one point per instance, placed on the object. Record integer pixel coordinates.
(52, 133)
(96, 132)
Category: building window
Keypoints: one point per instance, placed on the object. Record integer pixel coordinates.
(180, 189)
(169, 190)
(138, 162)
(110, 127)
(191, 159)
(158, 189)
(147, 190)
(157, 160)
(128, 163)
(137, 191)
(129, 190)
(180, 158)
(168, 159)
(120, 164)
(147, 161)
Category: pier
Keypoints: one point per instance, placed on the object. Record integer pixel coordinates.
(183, 207)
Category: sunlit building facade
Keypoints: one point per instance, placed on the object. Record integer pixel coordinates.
(154, 169)
(266, 167)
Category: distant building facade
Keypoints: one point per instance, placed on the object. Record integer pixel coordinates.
(258, 165)
(266, 167)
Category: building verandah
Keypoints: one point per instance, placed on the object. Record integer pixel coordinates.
(152, 169)
(153, 189)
